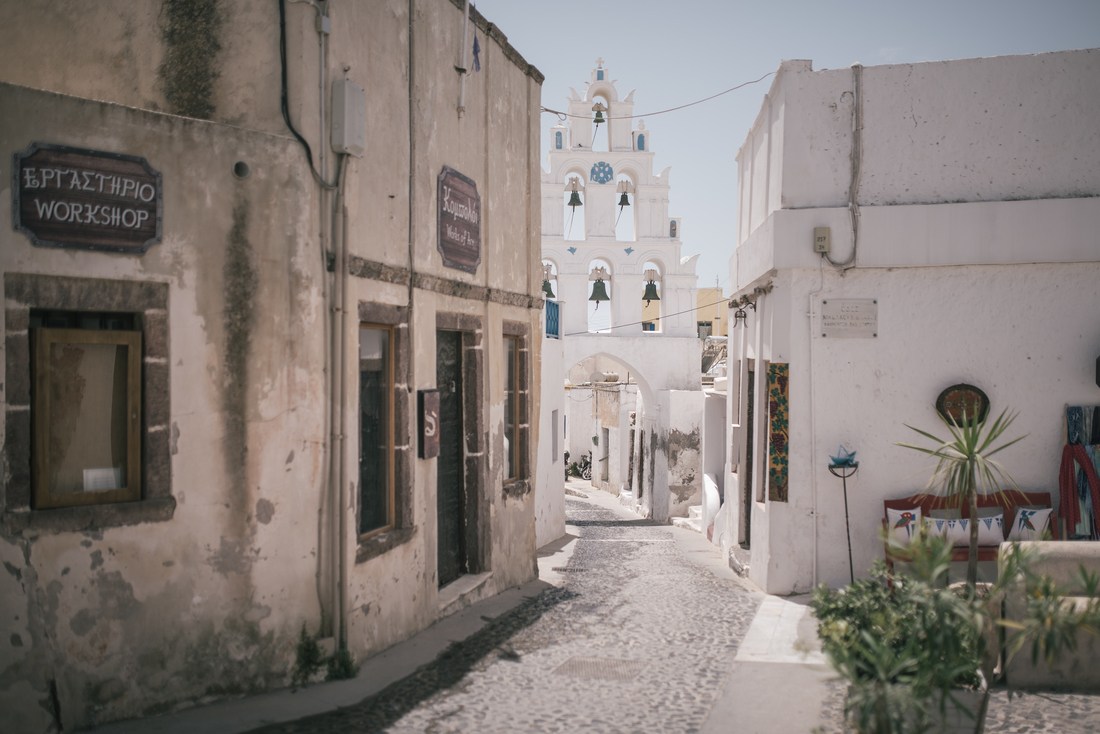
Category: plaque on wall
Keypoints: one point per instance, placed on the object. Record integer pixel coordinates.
(962, 399)
(86, 199)
(459, 221)
(853, 318)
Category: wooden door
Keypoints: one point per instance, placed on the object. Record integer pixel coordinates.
(450, 466)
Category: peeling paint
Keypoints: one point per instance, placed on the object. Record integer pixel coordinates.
(265, 510)
(240, 284)
(190, 29)
(232, 556)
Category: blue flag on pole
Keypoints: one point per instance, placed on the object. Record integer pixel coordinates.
(477, 53)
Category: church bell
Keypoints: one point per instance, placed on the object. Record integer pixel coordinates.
(575, 199)
(623, 200)
(547, 290)
(598, 108)
(599, 292)
(651, 276)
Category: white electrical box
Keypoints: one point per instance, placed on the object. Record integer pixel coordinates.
(823, 240)
(349, 118)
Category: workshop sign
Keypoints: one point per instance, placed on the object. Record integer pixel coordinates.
(86, 199)
(459, 221)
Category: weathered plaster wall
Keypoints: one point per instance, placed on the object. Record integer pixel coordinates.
(124, 621)
(244, 262)
(210, 59)
(550, 479)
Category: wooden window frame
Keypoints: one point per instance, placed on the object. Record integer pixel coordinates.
(402, 529)
(388, 392)
(519, 484)
(45, 339)
(512, 396)
(146, 302)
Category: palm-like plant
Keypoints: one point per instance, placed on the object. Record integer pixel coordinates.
(965, 468)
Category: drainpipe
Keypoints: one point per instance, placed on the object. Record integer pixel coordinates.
(462, 69)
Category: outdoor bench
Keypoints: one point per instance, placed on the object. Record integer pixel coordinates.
(1008, 501)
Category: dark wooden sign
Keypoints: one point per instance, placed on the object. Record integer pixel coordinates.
(87, 199)
(459, 221)
(429, 423)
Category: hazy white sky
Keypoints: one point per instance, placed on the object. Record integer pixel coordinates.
(678, 51)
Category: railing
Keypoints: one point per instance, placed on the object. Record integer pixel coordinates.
(553, 320)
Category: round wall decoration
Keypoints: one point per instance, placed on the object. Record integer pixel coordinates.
(963, 399)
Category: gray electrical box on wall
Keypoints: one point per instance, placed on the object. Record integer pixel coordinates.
(822, 239)
(349, 118)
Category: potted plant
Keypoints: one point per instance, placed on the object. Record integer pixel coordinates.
(965, 468)
(911, 646)
(911, 649)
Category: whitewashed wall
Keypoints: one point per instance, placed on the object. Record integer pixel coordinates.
(978, 213)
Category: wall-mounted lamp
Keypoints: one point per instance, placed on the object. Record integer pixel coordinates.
(748, 300)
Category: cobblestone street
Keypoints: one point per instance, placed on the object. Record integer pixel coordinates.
(638, 638)
(641, 636)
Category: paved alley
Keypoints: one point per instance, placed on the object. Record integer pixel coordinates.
(632, 627)
(640, 636)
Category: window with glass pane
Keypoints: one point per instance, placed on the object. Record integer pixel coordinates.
(87, 417)
(375, 428)
(511, 409)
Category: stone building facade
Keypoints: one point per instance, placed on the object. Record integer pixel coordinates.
(272, 335)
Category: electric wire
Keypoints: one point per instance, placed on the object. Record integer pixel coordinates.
(284, 101)
(562, 115)
(639, 323)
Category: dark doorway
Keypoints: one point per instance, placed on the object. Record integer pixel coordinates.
(450, 468)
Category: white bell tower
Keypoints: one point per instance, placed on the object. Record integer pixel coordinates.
(603, 205)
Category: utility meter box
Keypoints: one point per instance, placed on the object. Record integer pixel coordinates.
(822, 240)
(349, 118)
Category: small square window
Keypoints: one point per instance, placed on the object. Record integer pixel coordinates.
(87, 417)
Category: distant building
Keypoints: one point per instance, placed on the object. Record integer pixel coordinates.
(610, 245)
(259, 379)
(903, 229)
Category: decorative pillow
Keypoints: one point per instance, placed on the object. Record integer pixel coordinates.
(1030, 523)
(958, 532)
(903, 523)
(991, 529)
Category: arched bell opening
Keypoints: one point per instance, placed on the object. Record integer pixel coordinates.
(573, 208)
(651, 296)
(625, 211)
(549, 279)
(601, 127)
(599, 298)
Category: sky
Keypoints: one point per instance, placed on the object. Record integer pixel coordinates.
(675, 52)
